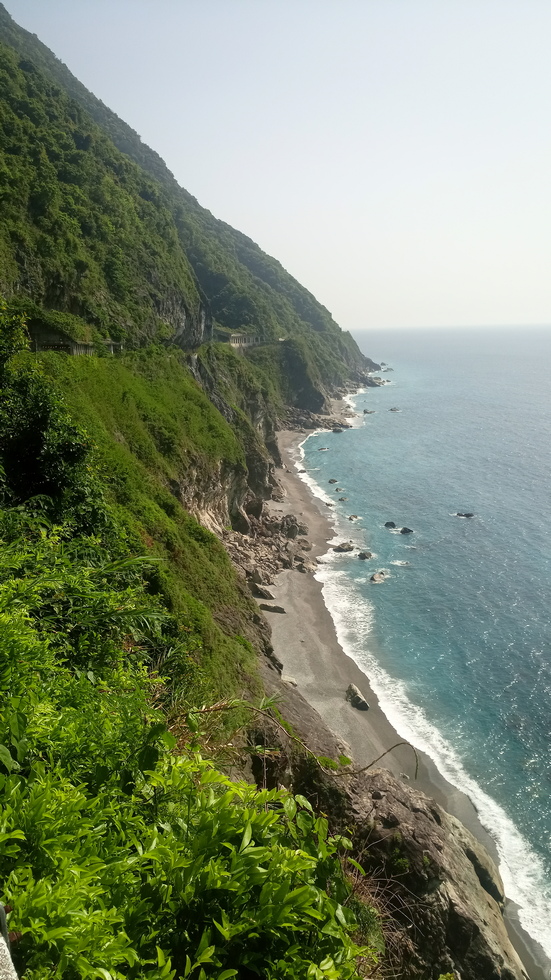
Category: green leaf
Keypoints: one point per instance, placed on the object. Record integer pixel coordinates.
(304, 822)
(168, 739)
(225, 932)
(148, 758)
(7, 760)
(290, 808)
(206, 956)
(246, 839)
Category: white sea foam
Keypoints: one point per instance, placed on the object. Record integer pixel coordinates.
(357, 420)
(523, 873)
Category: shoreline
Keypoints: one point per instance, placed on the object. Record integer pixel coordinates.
(306, 643)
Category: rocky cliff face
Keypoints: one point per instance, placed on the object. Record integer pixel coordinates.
(238, 494)
(190, 329)
(452, 894)
(440, 892)
(215, 499)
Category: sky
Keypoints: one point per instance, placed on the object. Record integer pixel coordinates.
(394, 155)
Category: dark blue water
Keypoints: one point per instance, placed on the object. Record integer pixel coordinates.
(456, 641)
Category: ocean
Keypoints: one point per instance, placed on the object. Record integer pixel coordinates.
(456, 639)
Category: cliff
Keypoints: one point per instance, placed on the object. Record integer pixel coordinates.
(438, 889)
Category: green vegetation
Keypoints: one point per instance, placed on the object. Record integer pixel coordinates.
(157, 440)
(120, 857)
(83, 230)
(119, 243)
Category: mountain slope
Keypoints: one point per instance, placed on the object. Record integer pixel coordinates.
(242, 287)
(83, 229)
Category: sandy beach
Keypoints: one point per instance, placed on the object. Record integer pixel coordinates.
(306, 643)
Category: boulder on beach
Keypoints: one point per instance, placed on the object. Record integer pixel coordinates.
(344, 546)
(356, 698)
(377, 577)
(390, 524)
(267, 608)
(291, 527)
(261, 593)
(406, 530)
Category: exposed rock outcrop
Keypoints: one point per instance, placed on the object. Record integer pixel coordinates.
(443, 892)
(300, 418)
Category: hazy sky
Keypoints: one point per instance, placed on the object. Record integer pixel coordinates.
(394, 155)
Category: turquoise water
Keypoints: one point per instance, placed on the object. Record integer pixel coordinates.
(457, 641)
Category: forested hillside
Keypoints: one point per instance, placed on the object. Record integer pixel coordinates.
(239, 285)
(131, 646)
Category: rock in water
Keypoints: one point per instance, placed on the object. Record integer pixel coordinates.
(364, 555)
(356, 698)
(406, 530)
(344, 546)
(390, 524)
(378, 577)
